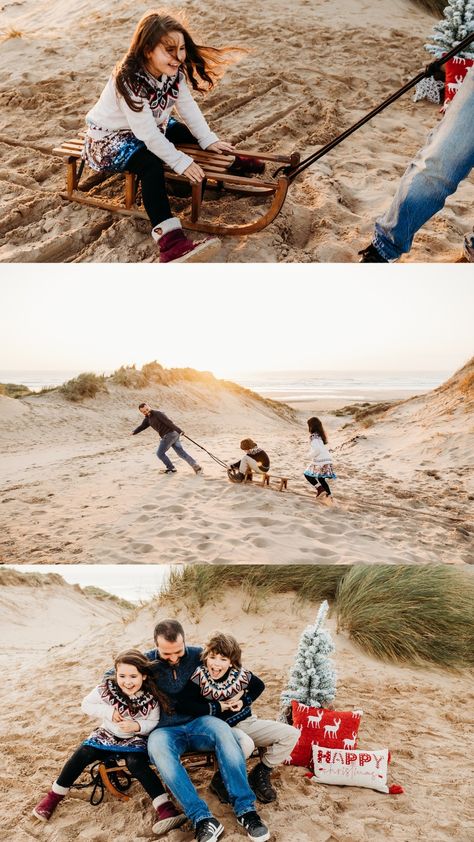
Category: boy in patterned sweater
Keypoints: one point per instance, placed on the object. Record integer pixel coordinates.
(221, 687)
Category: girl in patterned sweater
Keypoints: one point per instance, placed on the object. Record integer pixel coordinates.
(128, 705)
(130, 127)
(222, 687)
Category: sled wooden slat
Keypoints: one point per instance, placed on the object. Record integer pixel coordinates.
(265, 480)
(216, 168)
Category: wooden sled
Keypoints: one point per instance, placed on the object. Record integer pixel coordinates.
(216, 168)
(192, 760)
(265, 480)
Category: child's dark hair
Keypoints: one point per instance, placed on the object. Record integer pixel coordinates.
(225, 645)
(134, 658)
(315, 426)
(203, 66)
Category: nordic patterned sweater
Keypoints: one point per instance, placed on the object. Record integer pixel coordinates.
(262, 459)
(202, 694)
(159, 97)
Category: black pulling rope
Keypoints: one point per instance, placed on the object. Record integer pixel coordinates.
(430, 69)
(216, 458)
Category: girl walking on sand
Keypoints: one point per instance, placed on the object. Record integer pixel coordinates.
(128, 705)
(320, 468)
(130, 127)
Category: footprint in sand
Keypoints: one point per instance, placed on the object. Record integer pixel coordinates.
(141, 548)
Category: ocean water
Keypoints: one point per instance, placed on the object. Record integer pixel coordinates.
(295, 386)
(288, 385)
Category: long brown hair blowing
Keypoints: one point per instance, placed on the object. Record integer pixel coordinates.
(134, 658)
(203, 66)
(315, 426)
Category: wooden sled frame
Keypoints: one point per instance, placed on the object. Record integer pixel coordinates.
(193, 760)
(264, 480)
(215, 167)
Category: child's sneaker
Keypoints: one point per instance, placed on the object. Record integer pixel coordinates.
(257, 831)
(208, 830)
(46, 807)
(175, 247)
(167, 817)
(320, 491)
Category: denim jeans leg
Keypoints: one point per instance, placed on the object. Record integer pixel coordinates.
(209, 733)
(165, 746)
(180, 451)
(166, 442)
(432, 176)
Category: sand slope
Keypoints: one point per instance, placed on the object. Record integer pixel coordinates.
(310, 74)
(422, 716)
(77, 487)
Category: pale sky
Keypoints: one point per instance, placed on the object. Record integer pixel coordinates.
(233, 318)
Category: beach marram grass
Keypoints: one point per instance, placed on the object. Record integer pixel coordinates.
(409, 614)
(398, 613)
(200, 584)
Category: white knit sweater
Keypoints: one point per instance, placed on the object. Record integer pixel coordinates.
(111, 113)
(319, 453)
(94, 705)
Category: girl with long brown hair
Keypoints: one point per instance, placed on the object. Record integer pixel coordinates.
(128, 706)
(131, 128)
(320, 468)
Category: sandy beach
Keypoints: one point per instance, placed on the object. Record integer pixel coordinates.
(309, 76)
(78, 488)
(422, 715)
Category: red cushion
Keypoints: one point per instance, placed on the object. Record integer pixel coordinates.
(455, 70)
(330, 728)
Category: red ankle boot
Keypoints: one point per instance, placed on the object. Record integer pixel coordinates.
(175, 247)
(167, 817)
(46, 807)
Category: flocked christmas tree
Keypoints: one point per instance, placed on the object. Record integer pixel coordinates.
(457, 24)
(312, 679)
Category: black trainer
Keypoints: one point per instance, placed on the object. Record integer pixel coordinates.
(208, 830)
(217, 786)
(259, 780)
(256, 829)
(371, 255)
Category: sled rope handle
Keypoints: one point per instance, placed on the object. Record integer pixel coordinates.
(216, 458)
(430, 69)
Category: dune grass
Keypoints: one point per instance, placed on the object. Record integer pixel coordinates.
(397, 613)
(15, 390)
(86, 385)
(411, 614)
(203, 583)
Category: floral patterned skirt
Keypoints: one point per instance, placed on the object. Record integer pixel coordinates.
(101, 738)
(106, 150)
(320, 471)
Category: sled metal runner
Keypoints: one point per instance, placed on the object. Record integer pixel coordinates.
(217, 176)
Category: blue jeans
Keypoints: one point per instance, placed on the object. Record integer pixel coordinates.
(171, 439)
(436, 171)
(166, 745)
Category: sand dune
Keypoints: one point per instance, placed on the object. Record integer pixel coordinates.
(310, 74)
(76, 486)
(423, 716)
